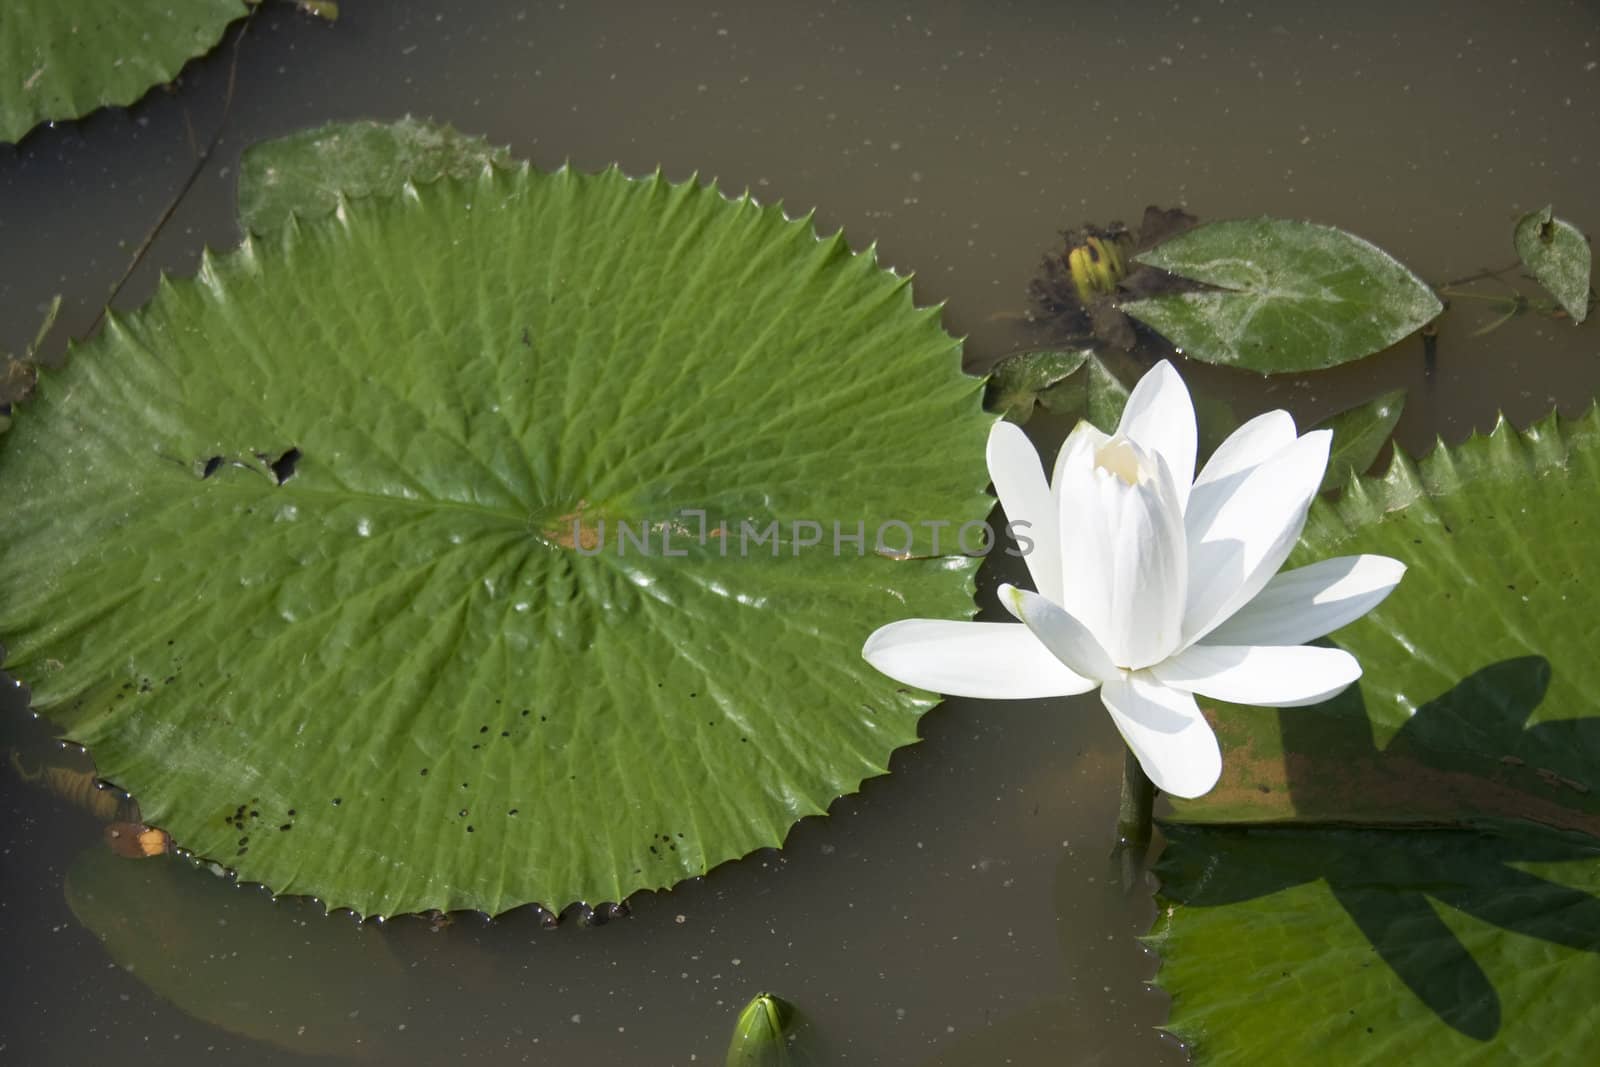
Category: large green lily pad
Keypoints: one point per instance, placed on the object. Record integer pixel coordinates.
(308, 551)
(1282, 295)
(61, 59)
(1407, 873)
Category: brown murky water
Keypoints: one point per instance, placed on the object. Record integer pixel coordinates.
(962, 910)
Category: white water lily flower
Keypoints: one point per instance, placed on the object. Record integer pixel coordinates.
(1155, 585)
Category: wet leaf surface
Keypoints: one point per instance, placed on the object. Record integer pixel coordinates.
(298, 549)
(61, 59)
(306, 173)
(1278, 295)
(1557, 254)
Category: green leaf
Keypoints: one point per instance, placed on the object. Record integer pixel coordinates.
(1359, 434)
(61, 59)
(1557, 254)
(1097, 393)
(236, 960)
(1338, 946)
(1438, 842)
(1016, 381)
(397, 680)
(307, 172)
(1093, 392)
(1283, 296)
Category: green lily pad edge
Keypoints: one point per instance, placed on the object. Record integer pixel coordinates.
(58, 73)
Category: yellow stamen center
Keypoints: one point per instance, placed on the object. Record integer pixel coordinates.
(1118, 457)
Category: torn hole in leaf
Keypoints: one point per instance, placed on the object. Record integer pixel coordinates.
(283, 466)
(213, 465)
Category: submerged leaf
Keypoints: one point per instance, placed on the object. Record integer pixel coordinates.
(306, 173)
(1284, 296)
(315, 984)
(1557, 254)
(319, 553)
(61, 59)
(1439, 847)
(1359, 434)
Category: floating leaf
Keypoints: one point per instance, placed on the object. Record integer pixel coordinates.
(319, 552)
(1016, 381)
(1287, 296)
(1338, 946)
(61, 59)
(307, 172)
(1359, 434)
(1557, 254)
(319, 985)
(1093, 392)
(1097, 392)
(1439, 845)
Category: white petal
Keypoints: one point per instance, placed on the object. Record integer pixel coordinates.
(1085, 548)
(1303, 604)
(1258, 441)
(1248, 537)
(1123, 557)
(1067, 638)
(1159, 418)
(1077, 451)
(1165, 729)
(1274, 676)
(1019, 482)
(1251, 445)
(991, 660)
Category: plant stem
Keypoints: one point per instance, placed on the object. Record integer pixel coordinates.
(1138, 803)
(1450, 293)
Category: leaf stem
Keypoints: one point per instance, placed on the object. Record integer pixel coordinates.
(1451, 293)
(1138, 804)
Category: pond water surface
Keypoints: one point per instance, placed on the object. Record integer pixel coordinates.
(964, 909)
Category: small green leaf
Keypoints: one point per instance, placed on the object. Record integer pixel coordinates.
(307, 172)
(1359, 434)
(1283, 296)
(1016, 381)
(1092, 392)
(760, 1037)
(1557, 254)
(65, 58)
